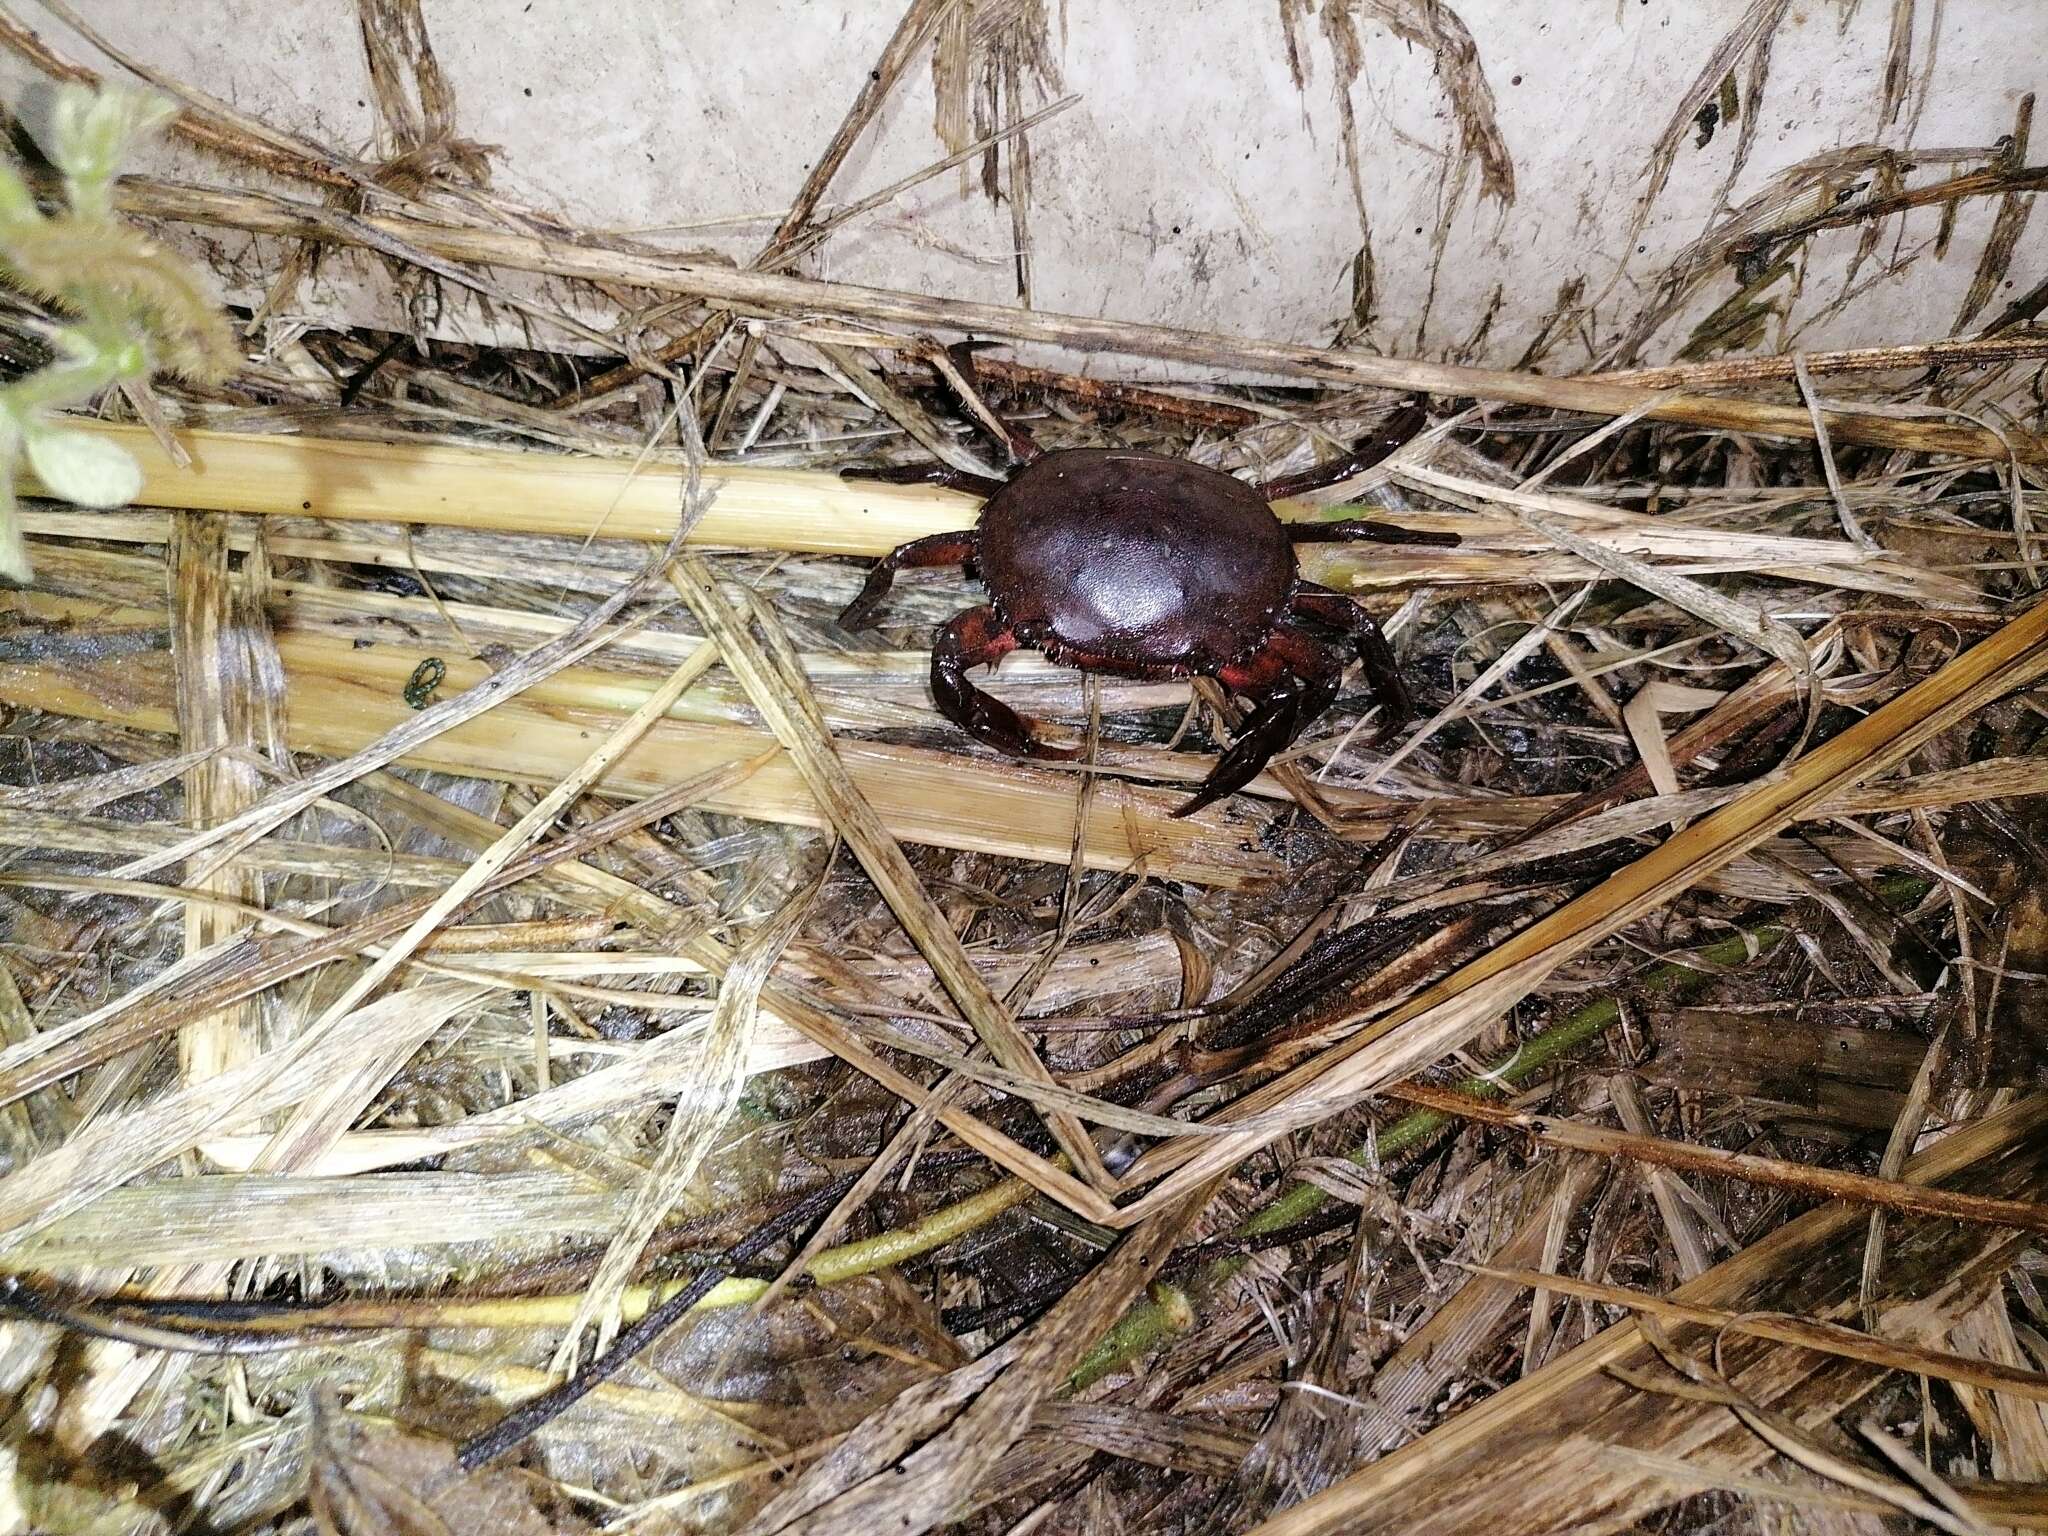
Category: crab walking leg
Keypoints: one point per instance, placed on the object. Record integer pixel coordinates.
(1356, 529)
(1394, 433)
(932, 549)
(1348, 621)
(1292, 679)
(973, 639)
(927, 474)
(956, 366)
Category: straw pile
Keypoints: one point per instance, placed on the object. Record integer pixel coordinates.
(465, 894)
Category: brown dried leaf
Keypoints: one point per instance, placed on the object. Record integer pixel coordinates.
(912, 1464)
(366, 1478)
(1757, 23)
(2007, 225)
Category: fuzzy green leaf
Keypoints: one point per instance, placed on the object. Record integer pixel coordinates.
(81, 468)
(17, 202)
(13, 549)
(91, 132)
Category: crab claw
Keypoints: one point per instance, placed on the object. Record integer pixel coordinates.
(979, 638)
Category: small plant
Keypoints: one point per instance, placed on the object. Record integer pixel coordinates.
(127, 308)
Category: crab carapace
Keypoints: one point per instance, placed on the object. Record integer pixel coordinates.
(1142, 566)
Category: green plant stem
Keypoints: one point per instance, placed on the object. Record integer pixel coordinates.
(1170, 1309)
(1147, 1323)
(52, 388)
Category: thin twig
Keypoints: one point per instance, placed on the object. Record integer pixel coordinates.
(1770, 1172)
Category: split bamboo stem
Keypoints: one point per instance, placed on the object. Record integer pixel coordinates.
(341, 698)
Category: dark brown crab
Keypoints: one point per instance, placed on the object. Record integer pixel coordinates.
(1143, 566)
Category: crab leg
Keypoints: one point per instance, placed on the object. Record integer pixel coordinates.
(1353, 529)
(1394, 433)
(1292, 679)
(926, 474)
(979, 638)
(933, 549)
(1347, 621)
(956, 366)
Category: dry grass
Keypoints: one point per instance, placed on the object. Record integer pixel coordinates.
(462, 886)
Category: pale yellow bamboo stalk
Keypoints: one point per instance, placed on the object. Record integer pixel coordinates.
(341, 698)
(539, 493)
(564, 496)
(1509, 558)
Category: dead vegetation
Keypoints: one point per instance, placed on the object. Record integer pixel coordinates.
(511, 1019)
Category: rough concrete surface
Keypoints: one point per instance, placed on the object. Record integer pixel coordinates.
(1503, 151)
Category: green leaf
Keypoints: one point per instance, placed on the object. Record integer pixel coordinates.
(91, 132)
(17, 202)
(14, 565)
(82, 468)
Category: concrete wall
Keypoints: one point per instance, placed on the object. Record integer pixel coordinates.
(1225, 164)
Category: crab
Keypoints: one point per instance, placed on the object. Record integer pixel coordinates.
(1144, 566)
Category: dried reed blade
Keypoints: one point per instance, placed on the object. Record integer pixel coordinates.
(1693, 1475)
(1807, 1332)
(1437, 1352)
(1449, 1013)
(1720, 372)
(760, 292)
(701, 1111)
(1770, 1172)
(188, 988)
(343, 700)
(314, 1124)
(1681, 1226)
(909, 1464)
(779, 691)
(1442, 1468)
(207, 650)
(505, 683)
(116, 1148)
(325, 1090)
(218, 1218)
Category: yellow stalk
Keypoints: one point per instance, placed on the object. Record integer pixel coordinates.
(341, 698)
(509, 490)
